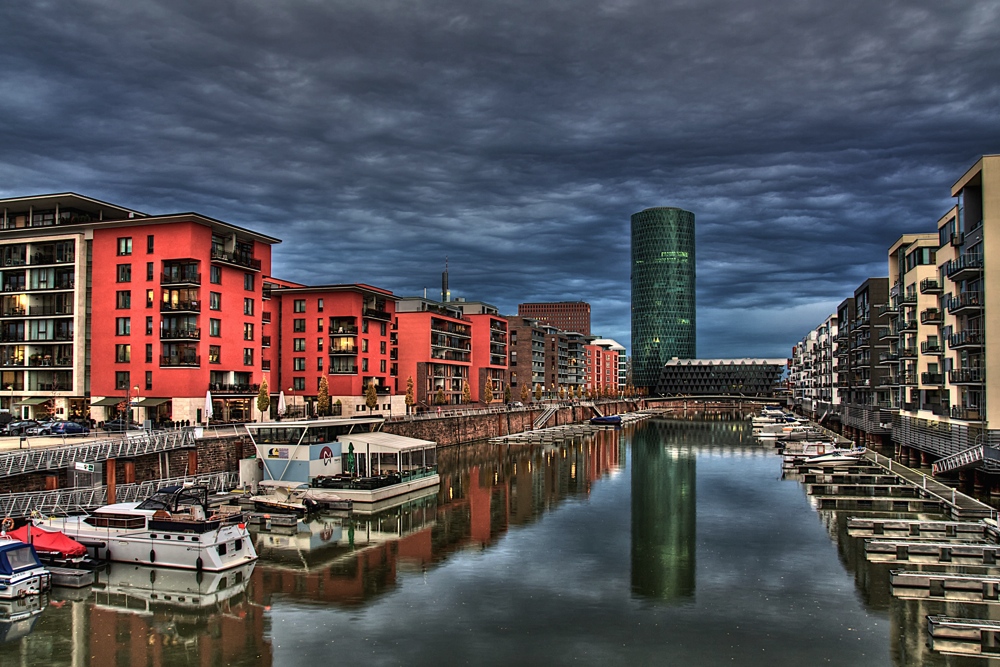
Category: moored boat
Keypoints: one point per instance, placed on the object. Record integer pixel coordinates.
(606, 420)
(836, 458)
(21, 573)
(171, 528)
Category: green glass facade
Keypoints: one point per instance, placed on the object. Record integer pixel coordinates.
(663, 284)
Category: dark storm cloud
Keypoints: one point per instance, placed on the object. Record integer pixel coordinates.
(516, 138)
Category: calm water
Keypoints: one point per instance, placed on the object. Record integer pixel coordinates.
(666, 543)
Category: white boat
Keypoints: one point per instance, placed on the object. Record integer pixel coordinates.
(21, 573)
(836, 458)
(171, 528)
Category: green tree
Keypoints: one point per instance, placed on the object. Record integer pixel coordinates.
(525, 393)
(466, 392)
(323, 397)
(488, 391)
(371, 396)
(439, 397)
(507, 395)
(410, 397)
(263, 398)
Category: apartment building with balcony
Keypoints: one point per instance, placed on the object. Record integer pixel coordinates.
(603, 365)
(104, 305)
(435, 349)
(344, 333)
(527, 354)
(813, 374)
(490, 341)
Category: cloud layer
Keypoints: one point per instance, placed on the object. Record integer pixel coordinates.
(517, 137)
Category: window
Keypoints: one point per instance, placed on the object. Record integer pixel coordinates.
(248, 356)
(299, 384)
(381, 328)
(215, 301)
(149, 325)
(215, 275)
(248, 306)
(299, 324)
(150, 296)
(214, 352)
(123, 326)
(248, 331)
(149, 243)
(299, 306)
(122, 380)
(123, 354)
(125, 246)
(123, 299)
(319, 344)
(149, 379)
(381, 347)
(364, 326)
(381, 366)
(364, 344)
(149, 270)
(319, 364)
(319, 305)
(319, 324)
(364, 364)
(248, 282)
(124, 273)
(299, 344)
(149, 353)
(214, 327)
(299, 363)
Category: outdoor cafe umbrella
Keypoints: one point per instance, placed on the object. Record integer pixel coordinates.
(208, 406)
(281, 403)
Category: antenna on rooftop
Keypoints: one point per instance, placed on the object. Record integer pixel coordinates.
(445, 292)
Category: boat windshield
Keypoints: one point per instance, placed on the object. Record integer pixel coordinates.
(176, 499)
(18, 559)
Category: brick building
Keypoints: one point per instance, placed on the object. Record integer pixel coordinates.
(565, 315)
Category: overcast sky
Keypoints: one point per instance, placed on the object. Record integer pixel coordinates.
(517, 137)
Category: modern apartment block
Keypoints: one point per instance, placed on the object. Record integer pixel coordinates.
(565, 315)
(438, 350)
(527, 354)
(105, 306)
(490, 341)
(603, 365)
(813, 373)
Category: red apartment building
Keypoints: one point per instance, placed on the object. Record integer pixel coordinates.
(489, 348)
(566, 315)
(343, 332)
(602, 367)
(435, 350)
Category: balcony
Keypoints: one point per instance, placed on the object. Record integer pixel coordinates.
(241, 260)
(930, 286)
(265, 341)
(966, 301)
(965, 340)
(908, 325)
(930, 316)
(227, 388)
(180, 334)
(180, 279)
(966, 266)
(932, 378)
(342, 350)
(930, 347)
(265, 316)
(888, 359)
(13, 312)
(50, 311)
(374, 314)
(185, 361)
(907, 378)
(908, 299)
(886, 332)
(907, 352)
(971, 414)
(12, 337)
(180, 307)
(966, 376)
(343, 369)
(957, 239)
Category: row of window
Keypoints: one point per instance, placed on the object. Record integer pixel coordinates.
(123, 354)
(124, 275)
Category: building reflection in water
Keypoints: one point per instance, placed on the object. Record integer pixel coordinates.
(663, 512)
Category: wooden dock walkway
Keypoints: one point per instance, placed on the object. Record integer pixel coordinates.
(931, 552)
(919, 585)
(964, 636)
(902, 528)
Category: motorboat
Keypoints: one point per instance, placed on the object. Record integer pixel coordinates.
(283, 498)
(836, 458)
(174, 527)
(21, 572)
(606, 420)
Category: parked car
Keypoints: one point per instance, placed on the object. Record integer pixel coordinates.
(120, 425)
(515, 404)
(67, 428)
(40, 428)
(20, 427)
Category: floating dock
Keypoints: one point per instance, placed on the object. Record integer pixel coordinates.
(944, 530)
(953, 587)
(964, 636)
(935, 553)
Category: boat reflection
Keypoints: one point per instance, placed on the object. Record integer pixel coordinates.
(18, 616)
(143, 588)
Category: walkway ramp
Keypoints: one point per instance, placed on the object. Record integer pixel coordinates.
(966, 458)
(544, 418)
(20, 461)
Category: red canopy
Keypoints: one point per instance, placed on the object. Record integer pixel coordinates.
(49, 542)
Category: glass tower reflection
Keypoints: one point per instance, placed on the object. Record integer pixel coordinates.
(663, 515)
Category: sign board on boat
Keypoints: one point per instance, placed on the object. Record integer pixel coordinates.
(84, 467)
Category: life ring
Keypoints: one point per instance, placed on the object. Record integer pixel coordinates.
(7, 524)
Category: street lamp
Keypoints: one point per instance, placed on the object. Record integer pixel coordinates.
(136, 387)
(291, 396)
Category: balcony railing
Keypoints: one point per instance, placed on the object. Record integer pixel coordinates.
(957, 268)
(928, 347)
(227, 388)
(374, 314)
(907, 352)
(182, 279)
(932, 378)
(265, 341)
(185, 361)
(343, 350)
(907, 378)
(971, 414)
(265, 316)
(971, 300)
(180, 334)
(966, 376)
(908, 325)
(50, 311)
(971, 338)
(930, 316)
(237, 259)
(930, 286)
(180, 307)
(908, 298)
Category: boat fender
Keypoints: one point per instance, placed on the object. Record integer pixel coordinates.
(199, 564)
(152, 555)
(152, 576)
(7, 524)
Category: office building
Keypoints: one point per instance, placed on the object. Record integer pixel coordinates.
(565, 315)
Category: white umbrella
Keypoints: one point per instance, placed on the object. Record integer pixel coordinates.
(281, 403)
(208, 406)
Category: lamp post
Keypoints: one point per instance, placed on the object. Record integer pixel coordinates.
(136, 387)
(292, 397)
(11, 406)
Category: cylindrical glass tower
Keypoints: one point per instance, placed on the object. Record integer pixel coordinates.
(663, 307)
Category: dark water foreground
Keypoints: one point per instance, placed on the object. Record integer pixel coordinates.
(673, 543)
